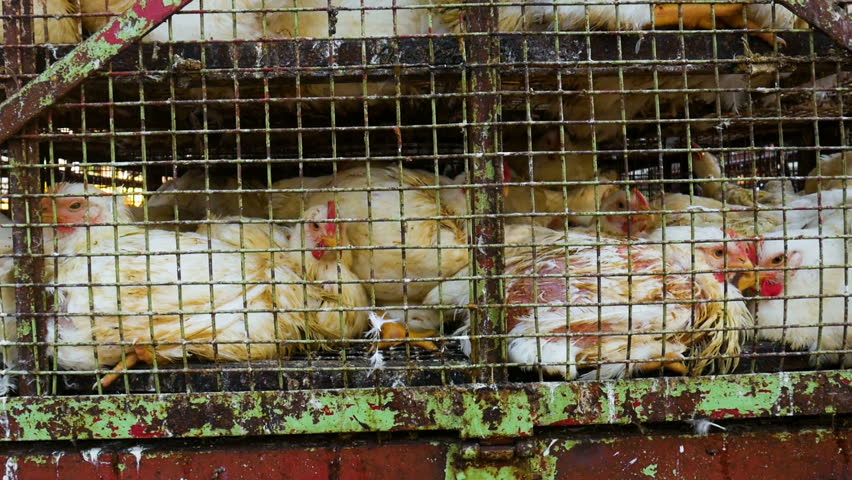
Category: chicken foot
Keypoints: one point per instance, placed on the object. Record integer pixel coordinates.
(129, 362)
(142, 354)
(701, 17)
(394, 334)
(672, 361)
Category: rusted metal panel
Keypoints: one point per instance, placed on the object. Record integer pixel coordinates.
(24, 181)
(512, 410)
(741, 453)
(89, 56)
(487, 322)
(830, 16)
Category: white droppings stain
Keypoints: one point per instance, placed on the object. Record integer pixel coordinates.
(91, 455)
(631, 462)
(681, 449)
(315, 403)
(11, 472)
(137, 453)
(547, 450)
(610, 397)
(57, 456)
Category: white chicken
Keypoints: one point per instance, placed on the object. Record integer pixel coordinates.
(388, 213)
(838, 165)
(8, 326)
(177, 294)
(617, 289)
(189, 24)
(196, 197)
(336, 297)
(804, 279)
(59, 27)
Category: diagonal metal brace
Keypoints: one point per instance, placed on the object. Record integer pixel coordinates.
(829, 16)
(119, 33)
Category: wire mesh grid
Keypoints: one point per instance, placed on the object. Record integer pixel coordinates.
(271, 196)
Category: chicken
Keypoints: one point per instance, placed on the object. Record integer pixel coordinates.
(61, 27)
(706, 165)
(8, 325)
(836, 165)
(355, 19)
(618, 214)
(333, 292)
(397, 245)
(638, 16)
(800, 211)
(794, 273)
(228, 306)
(196, 197)
(710, 328)
(559, 154)
(186, 25)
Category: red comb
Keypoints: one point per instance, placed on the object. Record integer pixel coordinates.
(731, 233)
(643, 201)
(507, 172)
(331, 228)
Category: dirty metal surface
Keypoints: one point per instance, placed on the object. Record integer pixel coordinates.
(24, 181)
(789, 452)
(86, 58)
(323, 370)
(476, 411)
(662, 51)
(487, 323)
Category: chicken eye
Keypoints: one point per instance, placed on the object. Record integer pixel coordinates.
(778, 260)
(719, 252)
(75, 206)
(315, 226)
(620, 205)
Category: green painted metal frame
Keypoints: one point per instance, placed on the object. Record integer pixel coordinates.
(475, 411)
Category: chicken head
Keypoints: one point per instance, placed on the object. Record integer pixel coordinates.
(90, 207)
(320, 233)
(617, 203)
(774, 254)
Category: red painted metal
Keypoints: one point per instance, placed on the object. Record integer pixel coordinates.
(292, 459)
(119, 33)
(772, 452)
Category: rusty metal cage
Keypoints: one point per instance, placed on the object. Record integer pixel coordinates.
(255, 217)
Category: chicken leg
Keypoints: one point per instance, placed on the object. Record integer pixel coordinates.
(129, 362)
(394, 334)
(673, 362)
(701, 17)
(142, 354)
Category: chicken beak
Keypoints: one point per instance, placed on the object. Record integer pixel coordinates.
(745, 278)
(329, 241)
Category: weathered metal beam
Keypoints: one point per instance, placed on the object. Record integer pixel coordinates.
(90, 55)
(25, 180)
(813, 452)
(487, 321)
(829, 16)
(475, 411)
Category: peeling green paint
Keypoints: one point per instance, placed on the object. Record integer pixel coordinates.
(650, 470)
(510, 410)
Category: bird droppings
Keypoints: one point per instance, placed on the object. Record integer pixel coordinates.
(91, 455)
(11, 469)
